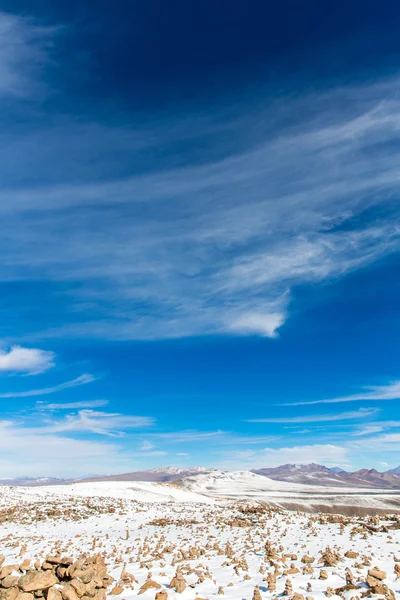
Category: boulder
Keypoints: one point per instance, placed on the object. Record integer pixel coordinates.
(37, 580)
(54, 594)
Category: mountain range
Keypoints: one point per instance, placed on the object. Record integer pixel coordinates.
(310, 474)
(313, 474)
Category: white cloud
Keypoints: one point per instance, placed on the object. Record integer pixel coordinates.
(326, 454)
(81, 380)
(32, 453)
(71, 405)
(232, 237)
(373, 392)
(69, 446)
(260, 324)
(368, 429)
(23, 49)
(362, 413)
(103, 423)
(26, 360)
(387, 438)
(145, 446)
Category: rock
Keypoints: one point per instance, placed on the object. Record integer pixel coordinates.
(37, 580)
(288, 588)
(54, 560)
(26, 596)
(351, 554)
(257, 594)
(377, 573)
(68, 593)
(7, 570)
(10, 581)
(61, 572)
(25, 565)
(323, 574)
(85, 575)
(90, 589)
(149, 584)
(117, 590)
(78, 586)
(161, 595)
(54, 594)
(178, 582)
(9, 594)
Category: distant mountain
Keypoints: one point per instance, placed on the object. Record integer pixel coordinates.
(337, 470)
(395, 471)
(31, 481)
(310, 474)
(159, 474)
(314, 474)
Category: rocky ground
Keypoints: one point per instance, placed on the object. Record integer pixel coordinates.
(61, 546)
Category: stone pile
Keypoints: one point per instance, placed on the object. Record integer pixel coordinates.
(57, 578)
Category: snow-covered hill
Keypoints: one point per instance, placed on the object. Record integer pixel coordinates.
(248, 485)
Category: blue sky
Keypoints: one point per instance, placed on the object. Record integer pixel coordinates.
(200, 235)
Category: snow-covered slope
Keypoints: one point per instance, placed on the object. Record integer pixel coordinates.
(141, 491)
(220, 548)
(248, 485)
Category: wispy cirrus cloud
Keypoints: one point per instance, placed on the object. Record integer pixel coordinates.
(234, 235)
(102, 423)
(24, 47)
(81, 380)
(71, 405)
(391, 391)
(362, 413)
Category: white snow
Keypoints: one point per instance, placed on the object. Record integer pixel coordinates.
(117, 516)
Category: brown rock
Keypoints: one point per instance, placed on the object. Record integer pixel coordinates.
(25, 596)
(85, 575)
(68, 593)
(37, 580)
(117, 590)
(257, 594)
(90, 589)
(54, 594)
(10, 581)
(25, 565)
(61, 572)
(377, 574)
(9, 594)
(351, 554)
(178, 583)
(7, 570)
(161, 595)
(78, 586)
(149, 584)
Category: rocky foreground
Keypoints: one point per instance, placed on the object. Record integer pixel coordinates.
(68, 547)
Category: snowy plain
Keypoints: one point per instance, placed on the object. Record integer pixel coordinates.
(157, 527)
